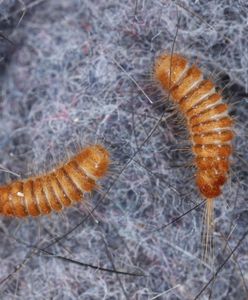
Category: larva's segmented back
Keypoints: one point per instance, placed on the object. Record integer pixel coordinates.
(57, 189)
(209, 127)
(208, 122)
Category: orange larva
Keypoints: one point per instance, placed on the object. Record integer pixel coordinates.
(57, 189)
(207, 119)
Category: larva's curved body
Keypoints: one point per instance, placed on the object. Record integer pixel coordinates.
(208, 122)
(57, 189)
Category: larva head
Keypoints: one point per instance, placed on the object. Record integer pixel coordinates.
(169, 69)
(94, 160)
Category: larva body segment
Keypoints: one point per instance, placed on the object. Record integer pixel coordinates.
(57, 189)
(206, 115)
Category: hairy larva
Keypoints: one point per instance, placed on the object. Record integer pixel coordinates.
(208, 124)
(57, 189)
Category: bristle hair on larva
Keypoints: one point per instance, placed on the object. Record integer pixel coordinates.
(59, 188)
(207, 121)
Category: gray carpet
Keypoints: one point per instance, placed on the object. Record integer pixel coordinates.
(80, 72)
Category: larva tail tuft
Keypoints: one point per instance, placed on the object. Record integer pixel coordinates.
(207, 232)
